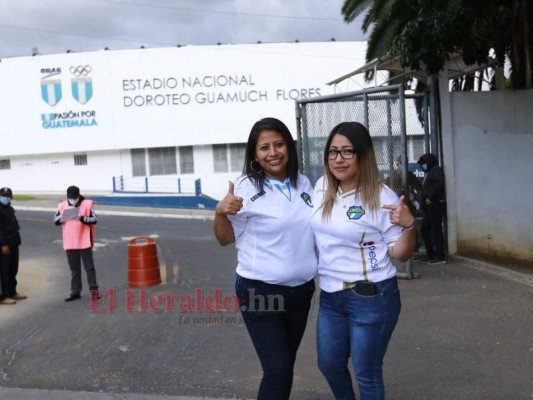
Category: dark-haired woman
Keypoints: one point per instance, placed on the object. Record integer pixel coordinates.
(267, 214)
(360, 224)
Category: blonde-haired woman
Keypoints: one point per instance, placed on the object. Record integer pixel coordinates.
(360, 224)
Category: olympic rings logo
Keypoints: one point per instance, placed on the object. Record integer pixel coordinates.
(81, 70)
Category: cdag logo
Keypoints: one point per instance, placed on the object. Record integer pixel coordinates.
(82, 91)
(51, 88)
(355, 212)
(307, 199)
(81, 84)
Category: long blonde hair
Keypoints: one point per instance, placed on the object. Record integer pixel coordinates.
(367, 181)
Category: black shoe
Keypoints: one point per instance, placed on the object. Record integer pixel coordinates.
(436, 261)
(426, 260)
(73, 296)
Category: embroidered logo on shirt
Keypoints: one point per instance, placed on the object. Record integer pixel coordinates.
(305, 197)
(256, 196)
(355, 212)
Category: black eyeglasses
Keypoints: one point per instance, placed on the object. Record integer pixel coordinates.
(346, 154)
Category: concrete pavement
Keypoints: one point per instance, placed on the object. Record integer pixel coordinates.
(36, 394)
(464, 333)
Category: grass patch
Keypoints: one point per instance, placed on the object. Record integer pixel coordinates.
(23, 197)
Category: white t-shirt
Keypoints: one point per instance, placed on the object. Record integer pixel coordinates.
(353, 243)
(273, 236)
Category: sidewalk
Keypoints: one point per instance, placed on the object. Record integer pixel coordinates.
(49, 204)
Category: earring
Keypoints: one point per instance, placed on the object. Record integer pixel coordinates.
(252, 167)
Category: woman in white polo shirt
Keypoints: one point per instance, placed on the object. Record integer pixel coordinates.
(359, 225)
(267, 214)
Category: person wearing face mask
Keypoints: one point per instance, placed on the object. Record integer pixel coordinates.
(433, 206)
(10, 242)
(77, 219)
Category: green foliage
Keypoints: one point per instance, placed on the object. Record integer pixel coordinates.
(425, 32)
(23, 197)
(440, 28)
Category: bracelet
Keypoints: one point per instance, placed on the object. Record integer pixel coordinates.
(410, 226)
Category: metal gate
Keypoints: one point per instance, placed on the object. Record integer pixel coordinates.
(401, 128)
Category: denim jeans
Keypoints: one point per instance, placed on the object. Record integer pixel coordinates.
(353, 325)
(276, 317)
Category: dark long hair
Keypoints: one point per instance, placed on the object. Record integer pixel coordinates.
(367, 179)
(254, 173)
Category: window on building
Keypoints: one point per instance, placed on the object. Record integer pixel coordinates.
(220, 157)
(162, 161)
(80, 159)
(186, 160)
(138, 162)
(5, 163)
(236, 151)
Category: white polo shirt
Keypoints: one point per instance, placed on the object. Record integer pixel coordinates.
(273, 236)
(353, 243)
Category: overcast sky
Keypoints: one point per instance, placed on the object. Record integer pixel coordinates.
(55, 26)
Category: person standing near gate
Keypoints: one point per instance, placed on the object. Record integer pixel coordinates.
(433, 206)
(360, 225)
(267, 213)
(10, 242)
(77, 219)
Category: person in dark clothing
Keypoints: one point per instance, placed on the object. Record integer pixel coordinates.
(10, 242)
(433, 206)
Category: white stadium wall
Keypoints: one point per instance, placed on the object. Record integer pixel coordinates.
(105, 103)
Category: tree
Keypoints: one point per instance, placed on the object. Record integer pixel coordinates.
(425, 32)
(387, 18)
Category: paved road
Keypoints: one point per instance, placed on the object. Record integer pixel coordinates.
(464, 332)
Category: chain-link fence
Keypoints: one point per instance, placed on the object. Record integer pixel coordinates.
(399, 124)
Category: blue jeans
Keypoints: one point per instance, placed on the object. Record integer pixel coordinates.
(361, 327)
(276, 317)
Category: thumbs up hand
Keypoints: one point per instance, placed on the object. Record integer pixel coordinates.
(399, 214)
(231, 204)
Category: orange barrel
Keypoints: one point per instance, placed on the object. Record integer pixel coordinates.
(143, 266)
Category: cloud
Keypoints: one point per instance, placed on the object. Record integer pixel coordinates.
(87, 25)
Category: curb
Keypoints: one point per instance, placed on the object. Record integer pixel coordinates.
(41, 394)
(496, 270)
(153, 214)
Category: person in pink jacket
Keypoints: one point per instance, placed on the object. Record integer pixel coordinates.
(77, 219)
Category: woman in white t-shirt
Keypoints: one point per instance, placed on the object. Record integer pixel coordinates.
(267, 214)
(359, 225)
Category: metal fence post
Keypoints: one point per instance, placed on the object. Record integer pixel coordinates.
(146, 184)
(299, 133)
(433, 115)
(394, 127)
(198, 187)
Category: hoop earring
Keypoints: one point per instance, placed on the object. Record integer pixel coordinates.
(252, 167)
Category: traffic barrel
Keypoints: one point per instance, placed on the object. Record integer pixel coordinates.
(143, 265)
